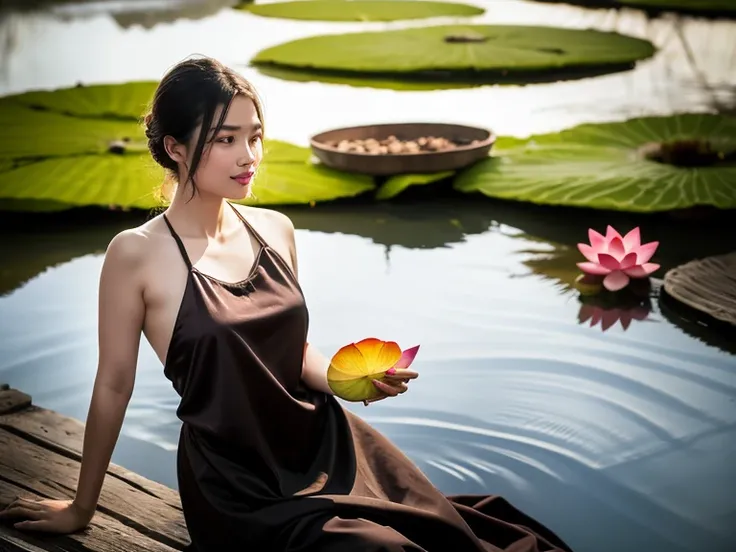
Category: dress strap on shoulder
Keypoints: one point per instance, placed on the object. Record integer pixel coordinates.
(249, 226)
(179, 243)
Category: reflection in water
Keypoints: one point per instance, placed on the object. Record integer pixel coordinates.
(544, 238)
(168, 12)
(607, 308)
(426, 226)
(697, 324)
(127, 13)
(33, 244)
(609, 317)
(631, 431)
(16, 16)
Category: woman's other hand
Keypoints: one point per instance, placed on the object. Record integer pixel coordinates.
(50, 516)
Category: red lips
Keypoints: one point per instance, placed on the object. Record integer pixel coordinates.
(243, 178)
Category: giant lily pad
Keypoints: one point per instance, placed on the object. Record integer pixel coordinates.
(645, 164)
(361, 10)
(131, 181)
(85, 146)
(449, 51)
(126, 101)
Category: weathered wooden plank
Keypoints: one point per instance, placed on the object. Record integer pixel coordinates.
(11, 543)
(66, 436)
(708, 285)
(50, 474)
(12, 400)
(103, 534)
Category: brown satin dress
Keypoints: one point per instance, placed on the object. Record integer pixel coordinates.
(267, 464)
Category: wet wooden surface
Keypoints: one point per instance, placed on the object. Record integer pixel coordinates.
(40, 453)
(708, 285)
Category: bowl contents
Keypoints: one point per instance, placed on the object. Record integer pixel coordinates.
(394, 145)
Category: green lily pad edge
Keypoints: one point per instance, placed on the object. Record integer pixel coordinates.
(360, 10)
(645, 164)
(85, 146)
(456, 54)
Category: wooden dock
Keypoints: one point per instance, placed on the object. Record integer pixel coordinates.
(40, 454)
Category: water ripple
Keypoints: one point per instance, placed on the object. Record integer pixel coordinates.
(555, 485)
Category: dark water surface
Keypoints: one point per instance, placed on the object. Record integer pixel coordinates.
(621, 439)
(624, 435)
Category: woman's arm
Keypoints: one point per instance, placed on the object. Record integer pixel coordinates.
(314, 369)
(121, 311)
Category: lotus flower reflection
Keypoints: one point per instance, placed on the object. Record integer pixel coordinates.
(608, 317)
(617, 258)
(354, 366)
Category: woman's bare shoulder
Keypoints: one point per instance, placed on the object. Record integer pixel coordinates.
(268, 218)
(132, 246)
(276, 229)
(271, 224)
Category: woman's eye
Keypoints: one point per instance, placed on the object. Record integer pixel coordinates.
(256, 138)
(226, 140)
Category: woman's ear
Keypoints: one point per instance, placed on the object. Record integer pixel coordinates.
(177, 151)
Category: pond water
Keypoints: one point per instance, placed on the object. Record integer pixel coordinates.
(621, 439)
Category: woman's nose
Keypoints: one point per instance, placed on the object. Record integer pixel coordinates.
(247, 155)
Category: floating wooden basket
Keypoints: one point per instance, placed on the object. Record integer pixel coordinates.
(473, 144)
(708, 285)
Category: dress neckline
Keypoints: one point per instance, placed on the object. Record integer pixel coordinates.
(252, 273)
(240, 283)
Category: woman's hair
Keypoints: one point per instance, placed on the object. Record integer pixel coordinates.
(189, 94)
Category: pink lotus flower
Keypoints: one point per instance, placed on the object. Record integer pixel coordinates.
(617, 258)
(609, 317)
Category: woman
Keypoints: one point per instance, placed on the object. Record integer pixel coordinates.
(268, 460)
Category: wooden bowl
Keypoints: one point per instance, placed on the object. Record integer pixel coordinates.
(384, 164)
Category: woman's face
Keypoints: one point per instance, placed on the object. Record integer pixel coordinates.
(231, 157)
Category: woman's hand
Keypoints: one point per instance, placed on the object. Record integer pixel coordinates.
(393, 383)
(51, 516)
